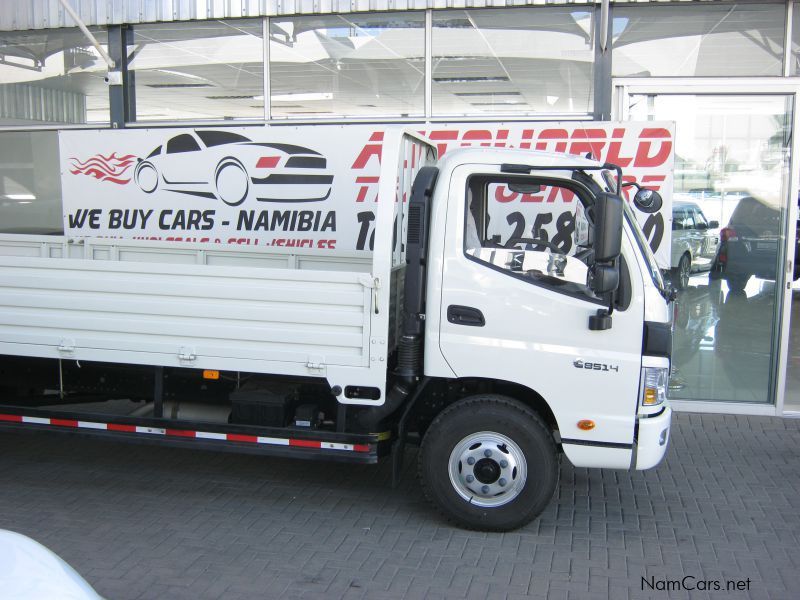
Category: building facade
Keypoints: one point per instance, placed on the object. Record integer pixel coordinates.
(726, 73)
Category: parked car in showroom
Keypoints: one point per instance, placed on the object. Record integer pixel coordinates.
(694, 242)
(749, 245)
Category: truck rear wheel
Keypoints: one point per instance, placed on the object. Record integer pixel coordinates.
(489, 462)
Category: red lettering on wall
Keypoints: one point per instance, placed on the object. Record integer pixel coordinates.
(366, 184)
(644, 158)
(373, 148)
(593, 148)
(476, 135)
(527, 136)
(553, 134)
(444, 134)
(615, 148)
(652, 181)
(503, 194)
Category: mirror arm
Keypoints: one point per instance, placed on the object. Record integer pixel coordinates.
(618, 169)
(612, 296)
(601, 320)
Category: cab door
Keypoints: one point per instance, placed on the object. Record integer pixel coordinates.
(515, 306)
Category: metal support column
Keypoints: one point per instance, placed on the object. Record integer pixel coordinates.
(121, 98)
(602, 62)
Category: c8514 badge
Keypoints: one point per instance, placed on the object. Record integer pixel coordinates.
(594, 366)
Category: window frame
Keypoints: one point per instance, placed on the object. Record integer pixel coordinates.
(602, 60)
(582, 194)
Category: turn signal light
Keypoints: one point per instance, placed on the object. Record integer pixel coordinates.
(650, 396)
(210, 374)
(586, 425)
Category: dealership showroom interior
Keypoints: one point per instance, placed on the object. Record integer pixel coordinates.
(697, 99)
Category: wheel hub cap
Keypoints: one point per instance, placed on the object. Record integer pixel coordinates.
(487, 469)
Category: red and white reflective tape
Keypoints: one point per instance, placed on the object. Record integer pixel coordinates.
(186, 433)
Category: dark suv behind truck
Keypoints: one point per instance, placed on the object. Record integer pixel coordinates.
(749, 245)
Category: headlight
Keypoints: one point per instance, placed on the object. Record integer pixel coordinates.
(655, 386)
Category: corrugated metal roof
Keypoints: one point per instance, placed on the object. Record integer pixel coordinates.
(42, 14)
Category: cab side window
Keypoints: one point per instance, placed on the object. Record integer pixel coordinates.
(530, 228)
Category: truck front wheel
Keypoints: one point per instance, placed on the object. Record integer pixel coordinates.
(489, 462)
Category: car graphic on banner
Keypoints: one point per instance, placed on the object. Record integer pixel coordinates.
(229, 166)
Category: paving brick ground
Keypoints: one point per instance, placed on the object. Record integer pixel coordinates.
(149, 522)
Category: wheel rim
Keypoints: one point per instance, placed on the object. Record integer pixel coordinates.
(487, 469)
(685, 267)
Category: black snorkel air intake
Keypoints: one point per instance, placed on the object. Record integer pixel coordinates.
(409, 349)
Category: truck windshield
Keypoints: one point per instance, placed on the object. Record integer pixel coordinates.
(644, 247)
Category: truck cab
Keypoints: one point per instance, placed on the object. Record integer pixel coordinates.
(511, 315)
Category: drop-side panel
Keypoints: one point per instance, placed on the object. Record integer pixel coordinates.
(184, 314)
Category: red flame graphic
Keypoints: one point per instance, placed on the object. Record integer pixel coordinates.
(104, 168)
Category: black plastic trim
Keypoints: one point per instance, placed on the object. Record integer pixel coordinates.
(618, 445)
(650, 416)
(280, 432)
(370, 457)
(361, 391)
(417, 243)
(465, 315)
(657, 339)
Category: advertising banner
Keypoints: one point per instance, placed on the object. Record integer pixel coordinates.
(313, 186)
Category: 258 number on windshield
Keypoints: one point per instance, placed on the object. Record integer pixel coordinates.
(545, 227)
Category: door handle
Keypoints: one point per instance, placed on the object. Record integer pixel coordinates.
(465, 315)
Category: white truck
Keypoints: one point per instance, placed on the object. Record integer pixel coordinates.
(495, 345)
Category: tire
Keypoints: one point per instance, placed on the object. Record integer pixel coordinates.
(146, 176)
(506, 429)
(680, 275)
(232, 182)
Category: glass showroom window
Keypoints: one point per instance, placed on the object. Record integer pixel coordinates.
(205, 70)
(30, 183)
(795, 59)
(724, 40)
(52, 76)
(528, 60)
(348, 65)
(729, 213)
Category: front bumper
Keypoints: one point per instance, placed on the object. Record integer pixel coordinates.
(652, 439)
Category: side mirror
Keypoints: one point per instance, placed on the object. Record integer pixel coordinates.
(604, 275)
(713, 224)
(604, 279)
(647, 201)
(607, 227)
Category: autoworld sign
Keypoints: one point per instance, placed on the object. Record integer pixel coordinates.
(310, 186)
